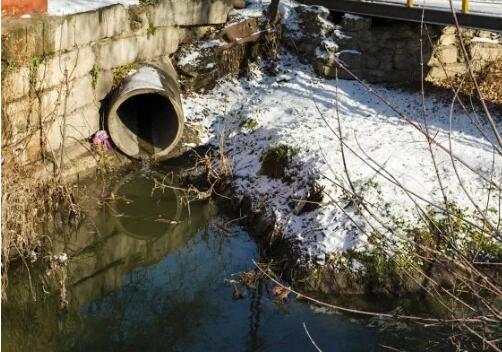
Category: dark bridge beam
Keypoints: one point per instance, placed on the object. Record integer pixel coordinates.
(412, 14)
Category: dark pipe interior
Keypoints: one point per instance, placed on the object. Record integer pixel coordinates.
(152, 118)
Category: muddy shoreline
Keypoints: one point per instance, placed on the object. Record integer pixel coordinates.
(286, 259)
(302, 273)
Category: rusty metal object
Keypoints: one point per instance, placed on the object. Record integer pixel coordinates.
(240, 30)
(247, 31)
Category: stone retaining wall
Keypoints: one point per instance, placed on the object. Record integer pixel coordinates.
(56, 71)
(483, 48)
(383, 52)
(386, 51)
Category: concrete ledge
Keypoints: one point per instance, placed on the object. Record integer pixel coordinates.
(189, 13)
(42, 35)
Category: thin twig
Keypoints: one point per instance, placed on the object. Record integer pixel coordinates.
(310, 337)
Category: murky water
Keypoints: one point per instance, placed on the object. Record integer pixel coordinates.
(147, 274)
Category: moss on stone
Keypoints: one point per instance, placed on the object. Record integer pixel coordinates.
(94, 75)
(121, 72)
(36, 62)
(151, 29)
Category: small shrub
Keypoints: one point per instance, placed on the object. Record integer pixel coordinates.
(380, 271)
(442, 233)
(481, 247)
(28, 204)
(314, 197)
(277, 159)
(249, 124)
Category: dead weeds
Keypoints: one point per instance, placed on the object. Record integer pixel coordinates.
(29, 204)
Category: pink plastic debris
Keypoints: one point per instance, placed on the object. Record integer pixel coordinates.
(102, 139)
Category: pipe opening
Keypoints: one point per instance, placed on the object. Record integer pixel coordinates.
(151, 122)
(145, 116)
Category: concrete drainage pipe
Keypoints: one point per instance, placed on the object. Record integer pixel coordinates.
(146, 117)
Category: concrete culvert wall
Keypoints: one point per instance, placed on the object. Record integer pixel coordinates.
(145, 118)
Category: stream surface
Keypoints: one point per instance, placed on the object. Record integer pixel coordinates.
(145, 273)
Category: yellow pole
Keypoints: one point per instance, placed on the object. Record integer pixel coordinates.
(409, 3)
(465, 6)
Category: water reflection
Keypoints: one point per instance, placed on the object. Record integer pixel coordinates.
(140, 284)
(143, 211)
(139, 227)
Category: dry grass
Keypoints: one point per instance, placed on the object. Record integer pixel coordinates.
(490, 83)
(28, 205)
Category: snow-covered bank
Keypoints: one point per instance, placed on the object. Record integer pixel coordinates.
(295, 108)
(68, 7)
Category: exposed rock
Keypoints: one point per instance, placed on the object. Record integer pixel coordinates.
(307, 30)
(445, 54)
(239, 4)
(197, 66)
(489, 51)
(448, 65)
(353, 23)
(229, 52)
(447, 39)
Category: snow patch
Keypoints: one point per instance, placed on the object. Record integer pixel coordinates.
(485, 40)
(189, 58)
(350, 16)
(211, 43)
(68, 7)
(301, 111)
(144, 76)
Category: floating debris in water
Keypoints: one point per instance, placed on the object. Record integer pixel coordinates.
(280, 292)
(60, 259)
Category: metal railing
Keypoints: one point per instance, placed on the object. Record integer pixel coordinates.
(479, 14)
(465, 5)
